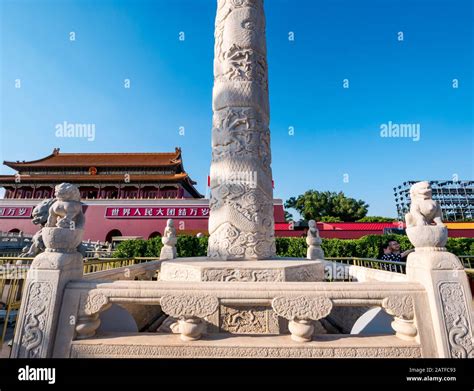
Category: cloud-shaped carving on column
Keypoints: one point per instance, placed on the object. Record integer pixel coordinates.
(241, 223)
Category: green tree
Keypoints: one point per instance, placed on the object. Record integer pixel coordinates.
(376, 219)
(330, 219)
(288, 216)
(313, 205)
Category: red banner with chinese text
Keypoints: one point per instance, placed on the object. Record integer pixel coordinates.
(15, 211)
(157, 212)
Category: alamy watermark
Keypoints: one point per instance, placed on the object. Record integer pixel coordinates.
(395, 130)
(37, 374)
(75, 130)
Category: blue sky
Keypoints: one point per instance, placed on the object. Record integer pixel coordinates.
(336, 143)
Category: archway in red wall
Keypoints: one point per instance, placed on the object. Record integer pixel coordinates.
(14, 231)
(155, 234)
(111, 234)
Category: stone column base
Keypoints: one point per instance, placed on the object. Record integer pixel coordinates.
(277, 270)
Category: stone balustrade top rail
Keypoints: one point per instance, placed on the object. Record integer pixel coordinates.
(150, 292)
(127, 272)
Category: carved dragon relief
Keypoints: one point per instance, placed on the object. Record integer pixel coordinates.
(229, 242)
(241, 132)
(456, 320)
(244, 64)
(224, 9)
(39, 297)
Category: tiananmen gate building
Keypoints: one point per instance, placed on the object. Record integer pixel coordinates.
(124, 194)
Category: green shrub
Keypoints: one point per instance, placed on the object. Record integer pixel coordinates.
(461, 246)
(154, 246)
(187, 246)
(191, 246)
(366, 247)
(131, 248)
(369, 246)
(282, 245)
(296, 248)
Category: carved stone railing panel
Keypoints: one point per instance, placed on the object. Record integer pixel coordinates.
(303, 304)
(185, 305)
(93, 302)
(300, 311)
(90, 306)
(402, 308)
(190, 310)
(302, 307)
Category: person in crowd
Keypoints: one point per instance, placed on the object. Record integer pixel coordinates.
(392, 252)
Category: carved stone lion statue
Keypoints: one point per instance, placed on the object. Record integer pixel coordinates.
(66, 211)
(423, 209)
(40, 212)
(63, 210)
(39, 217)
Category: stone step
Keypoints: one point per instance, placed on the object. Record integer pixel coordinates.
(148, 345)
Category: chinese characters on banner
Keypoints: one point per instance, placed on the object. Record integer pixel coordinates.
(15, 211)
(158, 212)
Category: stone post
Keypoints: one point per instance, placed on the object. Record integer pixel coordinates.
(442, 275)
(314, 242)
(169, 240)
(241, 223)
(49, 273)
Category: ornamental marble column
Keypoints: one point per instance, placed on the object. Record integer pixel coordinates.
(241, 224)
